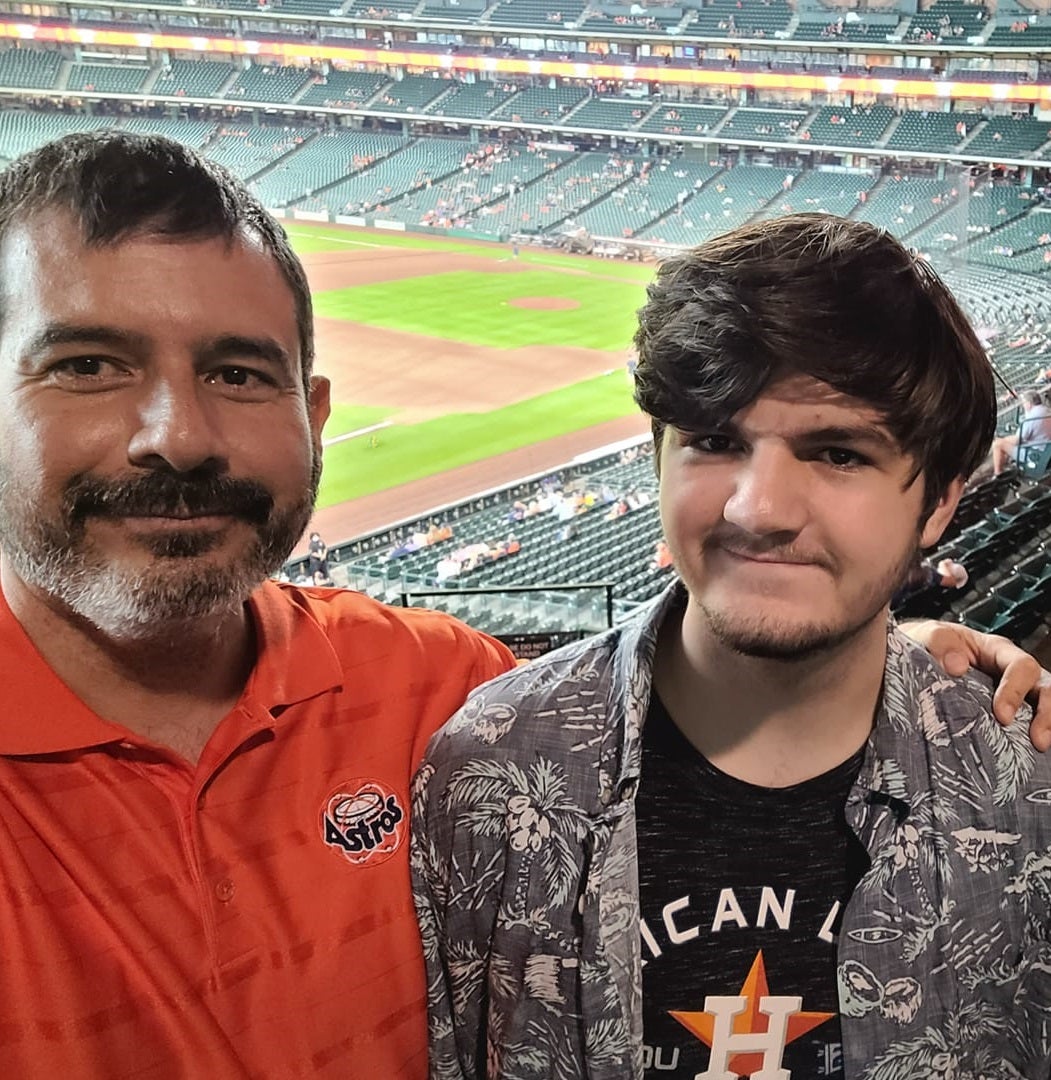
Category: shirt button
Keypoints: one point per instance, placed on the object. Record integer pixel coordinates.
(225, 890)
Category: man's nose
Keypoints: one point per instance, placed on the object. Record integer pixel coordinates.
(176, 425)
(771, 493)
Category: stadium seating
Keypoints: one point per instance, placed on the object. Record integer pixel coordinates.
(323, 160)
(941, 132)
(535, 13)
(247, 150)
(902, 204)
(768, 125)
(108, 78)
(312, 7)
(948, 20)
(742, 18)
(539, 103)
(477, 196)
(680, 118)
(1016, 247)
(726, 201)
(1033, 460)
(33, 69)
(379, 9)
(632, 19)
(344, 89)
(411, 94)
(472, 101)
(269, 82)
(977, 212)
(1029, 32)
(821, 192)
(847, 25)
(609, 114)
(1010, 137)
(194, 78)
(568, 184)
(647, 197)
(386, 181)
(23, 131)
(454, 10)
(836, 125)
(193, 133)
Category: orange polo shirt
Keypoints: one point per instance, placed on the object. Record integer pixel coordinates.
(247, 917)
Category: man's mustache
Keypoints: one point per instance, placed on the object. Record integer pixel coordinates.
(167, 494)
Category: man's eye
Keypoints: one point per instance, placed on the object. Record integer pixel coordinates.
(234, 375)
(712, 444)
(841, 458)
(86, 366)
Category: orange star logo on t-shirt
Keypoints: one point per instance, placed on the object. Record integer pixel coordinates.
(751, 1021)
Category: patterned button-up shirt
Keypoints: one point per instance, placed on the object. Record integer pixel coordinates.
(526, 876)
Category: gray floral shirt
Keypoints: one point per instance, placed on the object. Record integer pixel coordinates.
(526, 881)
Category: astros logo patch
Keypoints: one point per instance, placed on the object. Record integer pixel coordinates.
(364, 821)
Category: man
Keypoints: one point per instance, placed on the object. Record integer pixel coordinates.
(203, 778)
(1034, 429)
(756, 831)
(317, 560)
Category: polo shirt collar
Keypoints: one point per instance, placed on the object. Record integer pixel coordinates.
(295, 659)
(41, 715)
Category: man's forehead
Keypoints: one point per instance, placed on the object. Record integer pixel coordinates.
(54, 229)
(801, 403)
(54, 282)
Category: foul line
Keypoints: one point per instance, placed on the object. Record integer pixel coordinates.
(357, 434)
(339, 240)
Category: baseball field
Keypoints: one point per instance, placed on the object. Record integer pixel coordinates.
(457, 367)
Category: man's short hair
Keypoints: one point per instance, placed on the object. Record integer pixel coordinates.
(839, 301)
(118, 185)
(1032, 398)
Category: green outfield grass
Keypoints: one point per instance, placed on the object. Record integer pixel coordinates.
(347, 418)
(308, 238)
(407, 452)
(477, 308)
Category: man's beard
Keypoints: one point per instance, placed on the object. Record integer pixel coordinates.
(177, 586)
(768, 639)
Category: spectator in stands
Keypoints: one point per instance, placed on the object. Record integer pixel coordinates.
(755, 787)
(1034, 429)
(204, 776)
(317, 557)
(662, 556)
(946, 573)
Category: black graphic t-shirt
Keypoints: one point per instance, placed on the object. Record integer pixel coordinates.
(741, 890)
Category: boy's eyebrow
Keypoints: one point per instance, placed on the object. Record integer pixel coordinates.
(867, 434)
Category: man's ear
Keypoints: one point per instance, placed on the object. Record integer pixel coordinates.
(942, 514)
(319, 406)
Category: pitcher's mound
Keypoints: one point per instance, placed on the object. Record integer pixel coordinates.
(545, 303)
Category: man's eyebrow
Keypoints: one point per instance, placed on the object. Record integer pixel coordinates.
(233, 346)
(74, 334)
(851, 434)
